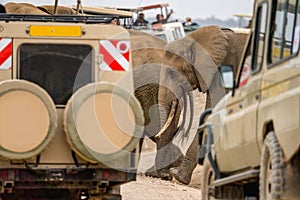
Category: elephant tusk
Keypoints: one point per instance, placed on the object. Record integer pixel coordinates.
(169, 120)
(191, 108)
(181, 127)
(191, 99)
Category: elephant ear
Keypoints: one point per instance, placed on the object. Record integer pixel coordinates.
(237, 43)
(213, 40)
(210, 45)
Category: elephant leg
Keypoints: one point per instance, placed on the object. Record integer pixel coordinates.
(168, 155)
(173, 158)
(183, 173)
(167, 152)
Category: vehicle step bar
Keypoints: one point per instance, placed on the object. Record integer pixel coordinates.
(254, 173)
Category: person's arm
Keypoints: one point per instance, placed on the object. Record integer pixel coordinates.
(169, 15)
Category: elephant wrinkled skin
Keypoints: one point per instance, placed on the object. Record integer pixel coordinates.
(26, 8)
(193, 64)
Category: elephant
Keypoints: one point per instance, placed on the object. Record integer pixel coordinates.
(23, 8)
(61, 10)
(26, 8)
(147, 51)
(192, 63)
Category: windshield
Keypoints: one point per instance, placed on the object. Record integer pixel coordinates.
(58, 68)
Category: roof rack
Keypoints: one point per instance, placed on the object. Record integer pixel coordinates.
(88, 19)
(105, 11)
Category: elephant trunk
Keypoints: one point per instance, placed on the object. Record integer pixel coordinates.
(171, 98)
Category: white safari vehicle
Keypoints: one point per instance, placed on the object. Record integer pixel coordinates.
(170, 31)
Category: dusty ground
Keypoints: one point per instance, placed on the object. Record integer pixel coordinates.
(147, 188)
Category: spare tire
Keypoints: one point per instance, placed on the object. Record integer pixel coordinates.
(28, 119)
(103, 122)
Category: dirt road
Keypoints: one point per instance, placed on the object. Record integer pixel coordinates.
(146, 188)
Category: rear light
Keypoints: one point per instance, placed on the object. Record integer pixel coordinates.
(3, 174)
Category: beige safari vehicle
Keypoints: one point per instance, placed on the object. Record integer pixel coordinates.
(69, 123)
(252, 137)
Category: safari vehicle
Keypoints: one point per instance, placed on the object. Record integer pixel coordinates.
(170, 31)
(69, 123)
(252, 136)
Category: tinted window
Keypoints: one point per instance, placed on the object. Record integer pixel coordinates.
(59, 69)
(285, 30)
(162, 36)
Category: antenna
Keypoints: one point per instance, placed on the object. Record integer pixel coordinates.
(55, 7)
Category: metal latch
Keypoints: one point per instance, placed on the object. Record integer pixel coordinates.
(6, 186)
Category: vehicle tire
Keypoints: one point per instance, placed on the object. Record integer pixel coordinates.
(271, 177)
(28, 119)
(98, 131)
(207, 177)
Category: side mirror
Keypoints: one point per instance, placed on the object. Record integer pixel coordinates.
(226, 76)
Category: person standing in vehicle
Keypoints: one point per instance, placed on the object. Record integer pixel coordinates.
(189, 22)
(189, 25)
(160, 18)
(140, 21)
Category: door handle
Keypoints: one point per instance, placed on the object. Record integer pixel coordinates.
(257, 96)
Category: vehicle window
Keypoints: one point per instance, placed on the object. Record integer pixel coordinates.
(177, 33)
(259, 37)
(58, 68)
(285, 30)
(162, 36)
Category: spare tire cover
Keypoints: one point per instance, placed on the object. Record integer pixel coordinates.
(28, 119)
(103, 122)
